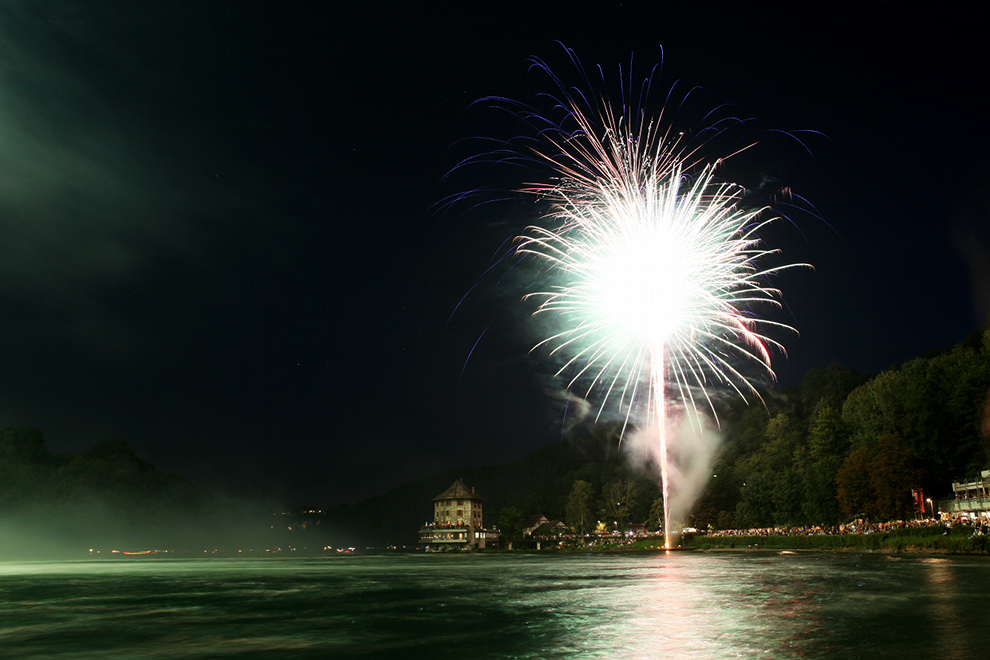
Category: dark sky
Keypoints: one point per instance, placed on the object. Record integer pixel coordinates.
(222, 246)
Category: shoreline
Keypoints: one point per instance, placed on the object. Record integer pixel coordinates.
(914, 540)
(934, 539)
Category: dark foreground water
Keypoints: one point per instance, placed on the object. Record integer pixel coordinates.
(681, 605)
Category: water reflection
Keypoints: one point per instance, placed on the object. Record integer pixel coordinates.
(772, 606)
(676, 605)
(942, 586)
(755, 609)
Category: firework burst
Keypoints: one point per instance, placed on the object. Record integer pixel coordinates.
(657, 272)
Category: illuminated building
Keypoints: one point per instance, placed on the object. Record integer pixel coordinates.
(972, 498)
(457, 522)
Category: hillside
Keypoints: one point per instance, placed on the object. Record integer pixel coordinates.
(538, 483)
(57, 506)
(837, 447)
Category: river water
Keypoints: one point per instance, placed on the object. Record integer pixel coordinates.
(677, 605)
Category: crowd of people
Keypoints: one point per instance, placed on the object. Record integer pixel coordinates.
(855, 527)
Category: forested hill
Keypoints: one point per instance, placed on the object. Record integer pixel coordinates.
(61, 505)
(841, 446)
(838, 446)
(538, 483)
(110, 471)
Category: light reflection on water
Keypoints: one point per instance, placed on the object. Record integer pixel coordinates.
(678, 605)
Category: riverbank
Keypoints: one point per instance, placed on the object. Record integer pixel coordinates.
(936, 539)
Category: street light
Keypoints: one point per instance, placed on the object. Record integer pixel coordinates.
(929, 500)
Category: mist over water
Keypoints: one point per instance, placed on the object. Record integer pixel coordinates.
(45, 532)
(677, 605)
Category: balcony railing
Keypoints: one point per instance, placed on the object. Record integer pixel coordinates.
(966, 504)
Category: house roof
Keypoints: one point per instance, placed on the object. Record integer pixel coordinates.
(551, 528)
(536, 521)
(458, 491)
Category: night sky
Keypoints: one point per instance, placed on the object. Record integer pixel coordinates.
(223, 244)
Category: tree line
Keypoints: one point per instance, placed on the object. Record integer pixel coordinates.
(837, 447)
(844, 446)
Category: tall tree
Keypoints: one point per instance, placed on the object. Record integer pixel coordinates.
(579, 506)
(892, 477)
(855, 489)
(818, 464)
(876, 480)
(654, 521)
(618, 499)
(510, 522)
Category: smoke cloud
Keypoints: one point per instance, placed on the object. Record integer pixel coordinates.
(692, 444)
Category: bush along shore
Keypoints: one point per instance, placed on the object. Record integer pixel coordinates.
(959, 539)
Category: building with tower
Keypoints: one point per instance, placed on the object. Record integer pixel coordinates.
(457, 522)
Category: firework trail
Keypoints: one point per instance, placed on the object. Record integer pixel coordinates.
(656, 265)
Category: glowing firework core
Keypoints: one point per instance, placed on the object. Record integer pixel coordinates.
(644, 286)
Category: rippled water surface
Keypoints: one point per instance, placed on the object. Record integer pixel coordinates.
(679, 605)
